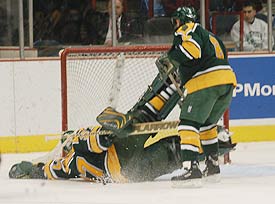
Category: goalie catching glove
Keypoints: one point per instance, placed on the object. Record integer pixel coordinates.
(119, 123)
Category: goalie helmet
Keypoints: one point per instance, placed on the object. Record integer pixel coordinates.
(184, 15)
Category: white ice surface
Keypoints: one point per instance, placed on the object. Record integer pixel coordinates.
(250, 179)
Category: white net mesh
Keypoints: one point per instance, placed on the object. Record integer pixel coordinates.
(101, 79)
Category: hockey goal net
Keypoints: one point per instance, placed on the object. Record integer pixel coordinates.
(94, 78)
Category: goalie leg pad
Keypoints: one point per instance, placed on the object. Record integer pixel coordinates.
(157, 102)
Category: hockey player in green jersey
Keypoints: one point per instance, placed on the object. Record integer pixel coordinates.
(200, 59)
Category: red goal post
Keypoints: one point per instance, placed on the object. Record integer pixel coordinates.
(93, 78)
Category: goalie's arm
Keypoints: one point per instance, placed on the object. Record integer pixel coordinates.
(157, 102)
(168, 69)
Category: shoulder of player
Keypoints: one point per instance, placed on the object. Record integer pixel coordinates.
(187, 29)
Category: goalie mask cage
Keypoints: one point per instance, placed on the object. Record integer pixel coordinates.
(96, 77)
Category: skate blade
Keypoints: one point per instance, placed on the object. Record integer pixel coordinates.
(216, 178)
(191, 183)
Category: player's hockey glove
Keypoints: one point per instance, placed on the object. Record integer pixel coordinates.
(27, 170)
(120, 124)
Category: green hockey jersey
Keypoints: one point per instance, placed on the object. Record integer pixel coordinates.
(201, 57)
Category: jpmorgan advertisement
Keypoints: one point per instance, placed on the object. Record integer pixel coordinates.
(254, 96)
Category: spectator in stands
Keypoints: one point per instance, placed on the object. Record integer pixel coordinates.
(238, 4)
(122, 25)
(255, 35)
(94, 27)
(158, 8)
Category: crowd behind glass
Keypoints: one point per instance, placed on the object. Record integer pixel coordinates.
(61, 23)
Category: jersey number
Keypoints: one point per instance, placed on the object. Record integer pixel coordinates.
(218, 49)
(83, 166)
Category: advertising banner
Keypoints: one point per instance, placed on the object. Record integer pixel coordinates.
(254, 97)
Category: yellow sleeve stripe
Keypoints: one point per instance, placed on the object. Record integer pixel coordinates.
(192, 49)
(67, 161)
(93, 144)
(47, 171)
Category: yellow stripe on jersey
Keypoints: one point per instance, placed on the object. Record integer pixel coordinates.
(47, 171)
(185, 29)
(192, 49)
(94, 145)
(218, 49)
(114, 165)
(67, 160)
(209, 134)
(57, 165)
(189, 137)
(210, 79)
(157, 102)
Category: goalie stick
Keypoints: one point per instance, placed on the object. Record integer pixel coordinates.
(163, 128)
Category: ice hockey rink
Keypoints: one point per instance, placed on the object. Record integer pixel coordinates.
(249, 179)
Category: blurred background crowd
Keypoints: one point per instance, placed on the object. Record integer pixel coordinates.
(61, 23)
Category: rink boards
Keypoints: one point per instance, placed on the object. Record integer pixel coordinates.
(31, 106)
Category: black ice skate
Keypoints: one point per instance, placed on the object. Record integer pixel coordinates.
(212, 169)
(192, 178)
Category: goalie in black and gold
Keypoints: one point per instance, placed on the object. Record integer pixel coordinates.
(116, 157)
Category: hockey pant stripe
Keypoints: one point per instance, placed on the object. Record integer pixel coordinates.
(190, 140)
(209, 136)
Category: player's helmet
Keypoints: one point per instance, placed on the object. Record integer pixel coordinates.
(184, 14)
